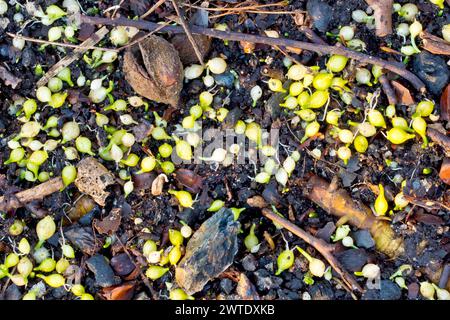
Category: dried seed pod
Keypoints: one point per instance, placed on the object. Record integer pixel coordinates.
(154, 70)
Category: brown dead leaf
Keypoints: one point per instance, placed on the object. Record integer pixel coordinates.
(189, 179)
(110, 224)
(122, 292)
(93, 178)
(158, 184)
(8, 78)
(403, 94)
(301, 19)
(143, 181)
(245, 289)
(444, 173)
(269, 240)
(440, 137)
(247, 47)
(434, 44)
(154, 70)
(257, 202)
(185, 49)
(428, 219)
(445, 104)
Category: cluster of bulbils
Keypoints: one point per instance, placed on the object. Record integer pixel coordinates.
(27, 262)
(408, 27)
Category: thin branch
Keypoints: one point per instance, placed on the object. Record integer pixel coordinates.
(278, 4)
(188, 33)
(388, 90)
(397, 68)
(59, 44)
(75, 55)
(15, 201)
(150, 11)
(324, 248)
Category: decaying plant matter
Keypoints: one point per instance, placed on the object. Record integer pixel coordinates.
(154, 70)
(383, 16)
(337, 202)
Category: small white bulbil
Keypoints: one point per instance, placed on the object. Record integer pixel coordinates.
(370, 271)
(193, 72)
(217, 65)
(127, 119)
(208, 81)
(118, 36)
(363, 76)
(69, 32)
(54, 33)
(18, 43)
(347, 33)
(446, 32)
(289, 165)
(71, 6)
(403, 29)
(109, 56)
(256, 93)
(359, 16)
(186, 231)
(3, 7)
(281, 176)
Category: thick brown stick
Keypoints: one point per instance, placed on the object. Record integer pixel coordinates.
(325, 249)
(38, 192)
(441, 139)
(338, 203)
(388, 90)
(383, 16)
(397, 68)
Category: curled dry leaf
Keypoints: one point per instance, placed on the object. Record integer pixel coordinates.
(445, 104)
(158, 184)
(185, 49)
(257, 202)
(154, 70)
(93, 178)
(143, 181)
(8, 78)
(440, 138)
(245, 289)
(444, 173)
(403, 94)
(434, 44)
(189, 179)
(122, 292)
(428, 219)
(110, 224)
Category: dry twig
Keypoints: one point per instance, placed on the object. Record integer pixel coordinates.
(324, 248)
(388, 90)
(15, 201)
(153, 8)
(75, 55)
(397, 68)
(383, 16)
(188, 32)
